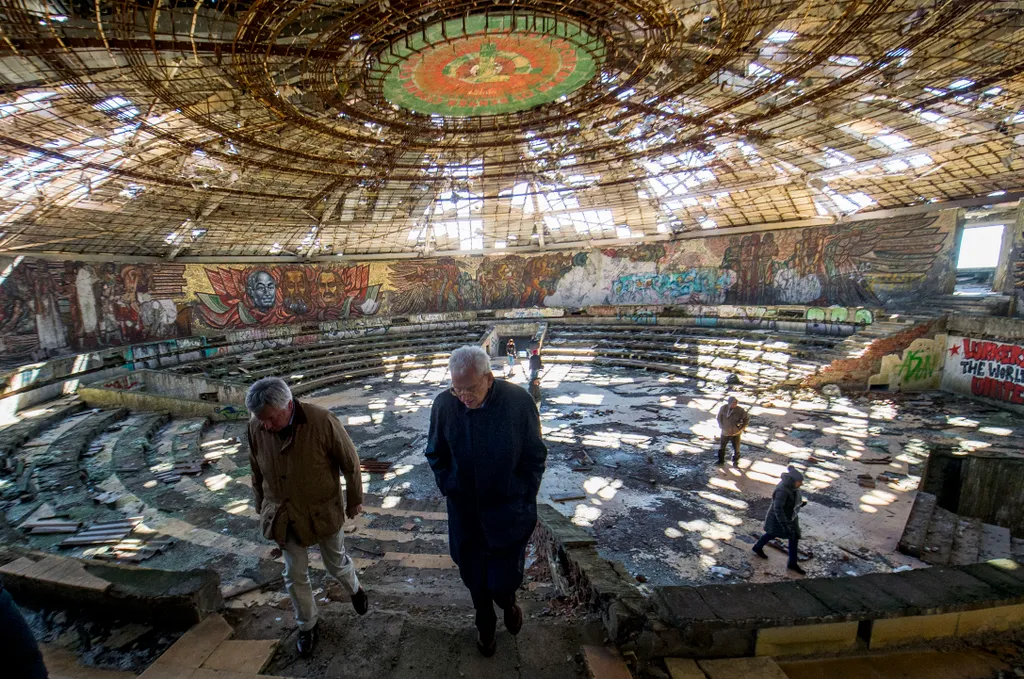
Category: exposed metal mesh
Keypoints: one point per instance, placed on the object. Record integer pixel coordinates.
(218, 129)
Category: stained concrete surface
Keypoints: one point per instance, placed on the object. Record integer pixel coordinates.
(639, 446)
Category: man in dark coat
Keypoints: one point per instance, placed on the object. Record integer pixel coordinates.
(783, 520)
(17, 644)
(486, 451)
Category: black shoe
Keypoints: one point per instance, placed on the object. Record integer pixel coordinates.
(486, 644)
(796, 569)
(514, 619)
(307, 641)
(360, 602)
(720, 463)
(760, 553)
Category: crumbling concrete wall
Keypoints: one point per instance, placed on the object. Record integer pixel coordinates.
(855, 372)
(984, 359)
(918, 368)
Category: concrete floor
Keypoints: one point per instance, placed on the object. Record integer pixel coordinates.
(641, 448)
(638, 446)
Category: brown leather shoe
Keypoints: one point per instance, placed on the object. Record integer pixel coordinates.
(514, 618)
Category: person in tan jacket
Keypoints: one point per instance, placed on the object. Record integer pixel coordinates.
(297, 452)
(732, 419)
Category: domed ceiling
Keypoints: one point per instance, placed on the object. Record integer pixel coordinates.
(315, 130)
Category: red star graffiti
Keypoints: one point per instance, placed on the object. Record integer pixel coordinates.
(954, 350)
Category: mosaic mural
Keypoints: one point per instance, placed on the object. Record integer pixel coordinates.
(50, 307)
(279, 295)
(492, 65)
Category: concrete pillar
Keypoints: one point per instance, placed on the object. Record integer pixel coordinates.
(1004, 278)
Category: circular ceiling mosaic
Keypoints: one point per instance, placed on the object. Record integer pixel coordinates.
(489, 65)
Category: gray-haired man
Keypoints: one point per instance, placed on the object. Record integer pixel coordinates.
(486, 451)
(296, 451)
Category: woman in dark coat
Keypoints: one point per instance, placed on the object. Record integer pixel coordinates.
(783, 520)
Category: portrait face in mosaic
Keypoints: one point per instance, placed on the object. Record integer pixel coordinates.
(262, 290)
(293, 291)
(330, 287)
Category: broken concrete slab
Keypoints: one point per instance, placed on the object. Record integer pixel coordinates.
(562, 530)
(126, 592)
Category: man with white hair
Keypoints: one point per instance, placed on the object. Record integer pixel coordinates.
(297, 452)
(486, 451)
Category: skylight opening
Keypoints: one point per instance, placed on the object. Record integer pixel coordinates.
(623, 232)
(862, 200)
(845, 60)
(500, 245)
(960, 84)
(756, 70)
(934, 117)
(920, 160)
(132, 191)
(587, 221)
(275, 249)
(896, 166)
(894, 141)
(834, 158)
(781, 37)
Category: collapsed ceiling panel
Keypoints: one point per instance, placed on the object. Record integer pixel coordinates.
(319, 129)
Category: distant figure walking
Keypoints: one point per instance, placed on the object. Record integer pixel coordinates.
(485, 449)
(510, 349)
(535, 365)
(732, 419)
(535, 391)
(783, 519)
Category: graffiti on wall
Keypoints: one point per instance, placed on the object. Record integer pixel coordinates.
(983, 368)
(695, 286)
(281, 295)
(919, 368)
(52, 307)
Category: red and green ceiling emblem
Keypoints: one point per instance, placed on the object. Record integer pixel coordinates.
(489, 65)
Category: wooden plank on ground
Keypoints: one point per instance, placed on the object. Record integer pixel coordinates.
(683, 668)
(604, 662)
(742, 668)
(435, 561)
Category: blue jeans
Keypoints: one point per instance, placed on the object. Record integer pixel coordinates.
(768, 537)
(18, 647)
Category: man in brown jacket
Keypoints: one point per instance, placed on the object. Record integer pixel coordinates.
(732, 419)
(296, 451)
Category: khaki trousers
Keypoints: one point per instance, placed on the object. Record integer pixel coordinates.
(296, 574)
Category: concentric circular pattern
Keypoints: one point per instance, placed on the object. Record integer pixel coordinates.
(489, 65)
(426, 126)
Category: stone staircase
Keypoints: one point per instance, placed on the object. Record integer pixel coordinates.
(939, 537)
(982, 304)
(758, 359)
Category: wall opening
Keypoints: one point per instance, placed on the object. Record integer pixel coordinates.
(978, 258)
